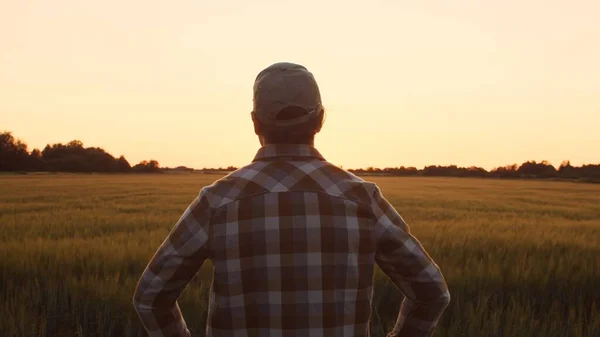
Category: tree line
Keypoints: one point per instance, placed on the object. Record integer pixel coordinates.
(70, 157)
(529, 169)
(74, 157)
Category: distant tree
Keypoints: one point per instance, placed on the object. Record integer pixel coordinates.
(565, 170)
(180, 169)
(74, 157)
(398, 171)
(100, 161)
(475, 171)
(76, 145)
(409, 171)
(532, 169)
(123, 164)
(36, 162)
(508, 171)
(590, 171)
(13, 153)
(443, 171)
(141, 166)
(144, 166)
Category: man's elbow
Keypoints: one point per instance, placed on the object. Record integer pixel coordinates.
(438, 299)
(137, 301)
(142, 309)
(439, 292)
(445, 298)
(432, 307)
(441, 302)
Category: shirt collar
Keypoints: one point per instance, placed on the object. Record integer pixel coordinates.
(287, 150)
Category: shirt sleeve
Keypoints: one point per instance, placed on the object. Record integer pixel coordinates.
(169, 271)
(405, 261)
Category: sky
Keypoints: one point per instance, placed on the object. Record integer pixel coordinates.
(405, 83)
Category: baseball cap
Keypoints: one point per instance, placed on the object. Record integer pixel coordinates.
(283, 85)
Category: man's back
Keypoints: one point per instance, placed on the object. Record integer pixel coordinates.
(293, 240)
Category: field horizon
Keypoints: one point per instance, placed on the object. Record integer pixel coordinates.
(521, 257)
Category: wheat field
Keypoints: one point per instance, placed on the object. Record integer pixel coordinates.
(522, 258)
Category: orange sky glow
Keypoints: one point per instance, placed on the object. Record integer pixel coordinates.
(405, 83)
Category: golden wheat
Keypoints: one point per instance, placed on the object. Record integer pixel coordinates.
(522, 258)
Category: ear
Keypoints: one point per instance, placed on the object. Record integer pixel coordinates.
(256, 123)
(318, 129)
(320, 122)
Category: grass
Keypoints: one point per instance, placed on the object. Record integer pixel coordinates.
(522, 258)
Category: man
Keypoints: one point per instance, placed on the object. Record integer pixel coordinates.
(293, 238)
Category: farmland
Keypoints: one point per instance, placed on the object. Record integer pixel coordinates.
(522, 258)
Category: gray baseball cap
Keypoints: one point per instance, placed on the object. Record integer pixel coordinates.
(284, 85)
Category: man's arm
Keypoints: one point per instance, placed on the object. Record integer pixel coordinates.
(405, 261)
(169, 271)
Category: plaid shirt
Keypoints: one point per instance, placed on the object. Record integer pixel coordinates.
(293, 240)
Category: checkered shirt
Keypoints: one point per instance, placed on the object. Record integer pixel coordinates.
(293, 240)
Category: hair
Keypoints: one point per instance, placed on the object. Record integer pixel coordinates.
(296, 134)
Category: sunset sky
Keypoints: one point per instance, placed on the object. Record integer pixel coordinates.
(410, 83)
